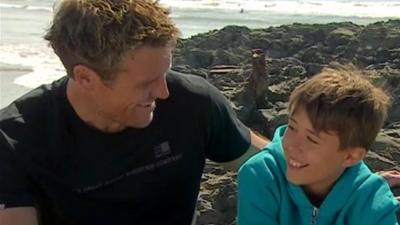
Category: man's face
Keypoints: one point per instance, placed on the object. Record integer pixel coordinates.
(313, 159)
(129, 99)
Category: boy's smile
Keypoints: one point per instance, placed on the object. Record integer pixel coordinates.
(296, 164)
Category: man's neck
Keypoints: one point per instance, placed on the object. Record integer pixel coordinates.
(87, 111)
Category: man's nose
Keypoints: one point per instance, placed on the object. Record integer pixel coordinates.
(161, 89)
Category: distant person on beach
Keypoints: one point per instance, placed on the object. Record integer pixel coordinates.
(117, 141)
(312, 172)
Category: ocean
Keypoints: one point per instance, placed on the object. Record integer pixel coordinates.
(26, 61)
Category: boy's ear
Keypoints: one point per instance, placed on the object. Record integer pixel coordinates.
(353, 156)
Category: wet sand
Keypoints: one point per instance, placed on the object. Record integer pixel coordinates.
(8, 90)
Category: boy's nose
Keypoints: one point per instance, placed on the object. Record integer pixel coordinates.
(295, 147)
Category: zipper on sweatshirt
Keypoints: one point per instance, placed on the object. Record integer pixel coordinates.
(314, 216)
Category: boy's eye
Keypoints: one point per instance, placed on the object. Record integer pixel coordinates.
(312, 140)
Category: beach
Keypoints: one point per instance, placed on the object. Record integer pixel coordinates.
(9, 90)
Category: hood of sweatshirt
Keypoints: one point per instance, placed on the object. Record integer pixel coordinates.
(353, 180)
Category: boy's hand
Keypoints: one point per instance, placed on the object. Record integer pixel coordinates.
(392, 177)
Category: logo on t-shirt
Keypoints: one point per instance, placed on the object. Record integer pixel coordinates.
(161, 150)
(163, 157)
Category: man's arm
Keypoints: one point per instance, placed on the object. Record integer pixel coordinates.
(16, 202)
(18, 216)
(257, 143)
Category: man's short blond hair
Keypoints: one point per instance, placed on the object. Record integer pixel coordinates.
(99, 33)
(343, 101)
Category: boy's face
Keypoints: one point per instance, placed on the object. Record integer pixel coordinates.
(313, 159)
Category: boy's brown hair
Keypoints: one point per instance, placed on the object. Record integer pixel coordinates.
(99, 33)
(340, 100)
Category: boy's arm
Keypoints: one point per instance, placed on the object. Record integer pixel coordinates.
(389, 219)
(257, 202)
(376, 204)
(387, 216)
(387, 206)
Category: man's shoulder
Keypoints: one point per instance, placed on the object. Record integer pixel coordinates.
(180, 82)
(190, 92)
(33, 105)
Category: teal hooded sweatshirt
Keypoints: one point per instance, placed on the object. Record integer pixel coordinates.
(266, 197)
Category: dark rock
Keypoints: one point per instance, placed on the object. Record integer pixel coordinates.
(314, 54)
(389, 148)
(273, 119)
(313, 68)
(341, 37)
(200, 59)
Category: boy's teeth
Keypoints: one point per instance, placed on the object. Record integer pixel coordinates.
(296, 164)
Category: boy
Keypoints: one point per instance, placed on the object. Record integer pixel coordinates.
(312, 172)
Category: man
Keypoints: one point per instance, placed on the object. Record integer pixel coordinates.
(116, 141)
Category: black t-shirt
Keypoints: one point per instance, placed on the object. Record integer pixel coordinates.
(75, 174)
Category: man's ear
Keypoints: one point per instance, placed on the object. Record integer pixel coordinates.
(353, 156)
(85, 76)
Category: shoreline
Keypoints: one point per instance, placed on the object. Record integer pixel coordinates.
(9, 91)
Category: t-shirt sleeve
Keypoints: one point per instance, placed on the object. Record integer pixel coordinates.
(14, 185)
(229, 138)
